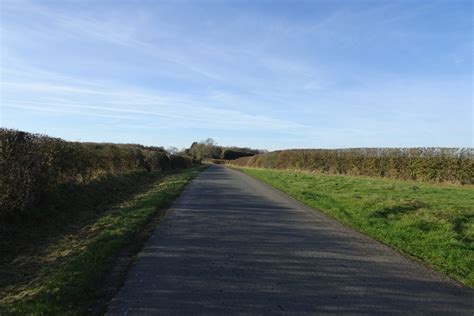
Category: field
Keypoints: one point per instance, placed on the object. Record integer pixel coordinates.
(433, 223)
(56, 262)
(73, 215)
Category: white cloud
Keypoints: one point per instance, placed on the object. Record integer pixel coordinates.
(257, 73)
(162, 109)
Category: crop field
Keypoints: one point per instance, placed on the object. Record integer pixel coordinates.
(433, 223)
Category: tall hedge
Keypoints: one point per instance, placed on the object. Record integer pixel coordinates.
(32, 164)
(455, 165)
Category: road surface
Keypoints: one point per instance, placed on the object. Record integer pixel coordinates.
(232, 245)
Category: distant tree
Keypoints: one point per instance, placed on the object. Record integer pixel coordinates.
(210, 142)
(172, 150)
(209, 148)
(236, 152)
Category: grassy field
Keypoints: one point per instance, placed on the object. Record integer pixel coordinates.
(434, 223)
(58, 273)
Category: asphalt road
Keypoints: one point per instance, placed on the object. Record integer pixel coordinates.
(232, 245)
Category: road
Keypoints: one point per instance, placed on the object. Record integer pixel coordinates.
(232, 245)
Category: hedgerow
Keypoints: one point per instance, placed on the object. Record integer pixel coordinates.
(32, 164)
(455, 165)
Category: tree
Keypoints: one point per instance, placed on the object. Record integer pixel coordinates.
(172, 150)
(208, 148)
(204, 149)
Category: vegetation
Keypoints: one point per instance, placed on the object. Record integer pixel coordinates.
(455, 165)
(208, 149)
(66, 208)
(66, 257)
(432, 222)
(33, 166)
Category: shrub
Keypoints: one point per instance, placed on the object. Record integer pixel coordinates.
(455, 165)
(32, 164)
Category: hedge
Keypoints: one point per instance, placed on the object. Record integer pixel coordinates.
(454, 165)
(32, 164)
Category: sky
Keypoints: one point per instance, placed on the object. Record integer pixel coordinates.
(263, 74)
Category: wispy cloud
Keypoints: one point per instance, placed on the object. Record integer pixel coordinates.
(319, 74)
(91, 99)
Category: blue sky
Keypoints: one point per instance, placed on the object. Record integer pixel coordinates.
(264, 74)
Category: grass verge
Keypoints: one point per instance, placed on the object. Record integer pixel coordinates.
(433, 223)
(72, 264)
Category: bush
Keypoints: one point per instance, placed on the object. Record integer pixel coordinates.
(179, 162)
(232, 153)
(32, 165)
(455, 165)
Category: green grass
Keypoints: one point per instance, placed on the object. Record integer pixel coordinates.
(81, 256)
(433, 223)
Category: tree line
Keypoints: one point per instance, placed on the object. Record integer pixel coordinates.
(208, 149)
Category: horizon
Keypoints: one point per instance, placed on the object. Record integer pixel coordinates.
(262, 150)
(285, 75)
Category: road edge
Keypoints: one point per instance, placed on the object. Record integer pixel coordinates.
(439, 275)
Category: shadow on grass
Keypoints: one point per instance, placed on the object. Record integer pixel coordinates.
(398, 209)
(69, 207)
(460, 225)
(231, 246)
(72, 240)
